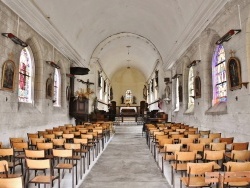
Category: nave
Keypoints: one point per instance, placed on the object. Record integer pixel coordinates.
(126, 162)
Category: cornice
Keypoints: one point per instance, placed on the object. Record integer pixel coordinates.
(207, 12)
(33, 17)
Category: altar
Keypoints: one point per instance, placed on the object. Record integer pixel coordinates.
(129, 108)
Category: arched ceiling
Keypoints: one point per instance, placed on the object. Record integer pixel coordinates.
(90, 30)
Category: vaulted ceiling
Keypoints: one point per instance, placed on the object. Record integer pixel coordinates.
(119, 33)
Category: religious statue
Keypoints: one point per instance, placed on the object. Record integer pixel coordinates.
(122, 99)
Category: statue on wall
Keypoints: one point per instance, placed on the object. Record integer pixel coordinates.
(122, 99)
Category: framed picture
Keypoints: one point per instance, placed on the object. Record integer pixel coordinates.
(8, 75)
(49, 88)
(197, 86)
(234, 73)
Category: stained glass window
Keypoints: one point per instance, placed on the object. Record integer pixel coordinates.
(26, 69)
(190, 87)
(128, 97)
(219, 75)
(177, 103)
(57, 88)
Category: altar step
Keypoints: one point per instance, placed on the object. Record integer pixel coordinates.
(128, 121)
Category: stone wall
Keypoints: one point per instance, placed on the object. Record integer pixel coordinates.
(18, 119)
(236, 120)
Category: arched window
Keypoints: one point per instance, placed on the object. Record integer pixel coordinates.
(128, 97)
(57, 88)
(219, 75)
(177, 103)
(26, 76)
(190, 87)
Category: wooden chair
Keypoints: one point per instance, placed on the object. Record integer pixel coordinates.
(8, 155)
(238, 155)
(4, 170)
(19, 148)
(184, 142)
(204, 134)
(240, 145)
(34, 141)
(205, 141)
(196, 174)
(180, 162)
(217, 146)
(61, 164)
(198, 148)
(237, 166)
(47, 148)
(16, 182)
(12, 140)
(68, 137)
(214, 136)
(40, 164)
(77, 156)
(213, 178)
(216, 156)
(84, 151)
(236, 179)
(48, 137)
(168, 154)
(58, 142)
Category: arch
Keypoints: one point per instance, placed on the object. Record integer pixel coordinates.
(102, 49)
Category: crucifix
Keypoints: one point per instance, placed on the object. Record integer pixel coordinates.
(87, 83)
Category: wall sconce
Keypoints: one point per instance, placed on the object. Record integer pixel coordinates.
(228, 36)
(52, 64)
(15, 39)
(194, 63)
(70, 75)
(167, 81)
(176, 76)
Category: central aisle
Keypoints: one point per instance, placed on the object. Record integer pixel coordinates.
(126, 162)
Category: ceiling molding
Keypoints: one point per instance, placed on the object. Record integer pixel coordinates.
(207, 11)
(33, 17)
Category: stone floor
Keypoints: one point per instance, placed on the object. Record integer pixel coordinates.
(126, 162)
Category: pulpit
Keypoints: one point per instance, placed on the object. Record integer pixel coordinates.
(79, 109)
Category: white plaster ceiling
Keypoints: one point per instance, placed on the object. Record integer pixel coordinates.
(87, 31)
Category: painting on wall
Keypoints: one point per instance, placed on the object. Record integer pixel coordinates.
(234, 73)
(49, 88)
(197, 85)
(8, 75)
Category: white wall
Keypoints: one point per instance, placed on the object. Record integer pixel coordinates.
(18, 119)
(236, 120)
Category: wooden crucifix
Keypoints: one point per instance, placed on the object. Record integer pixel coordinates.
(87, 83)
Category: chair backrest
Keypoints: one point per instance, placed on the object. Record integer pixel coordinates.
(218, 146)
(198, 147)
(214, 155)
(240, 178)
(204, 133)
(214, 136)
(4, 167)
(38, 164)
(16, 182)
(62, 153)
(16, 140)
(20, 145)
(35, 154)
(240, 155)
(172, 147)
(212, 177)
(164, 141)
(34, 141)
(72, 146)
(237, 166)
(195, 136)
(81, 140)
(49, 136)
(66, 136)
(44, 146)
(240, 146)
(228, 140)
(199, 168)
(186, 140)
(205, 140)
(185, 156)
(58, 141)
(6, 152)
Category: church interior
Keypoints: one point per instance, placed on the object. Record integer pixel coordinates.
(136, 76)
